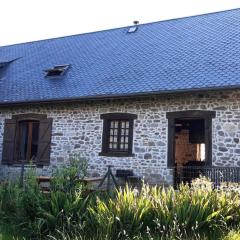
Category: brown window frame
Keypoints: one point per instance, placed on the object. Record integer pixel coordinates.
(119, 117)
(28, 118)
(12, 156)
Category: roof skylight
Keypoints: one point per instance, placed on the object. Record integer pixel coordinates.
(133, 28)
(57, 71)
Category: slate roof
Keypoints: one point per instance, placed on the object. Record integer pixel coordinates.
(186, 54)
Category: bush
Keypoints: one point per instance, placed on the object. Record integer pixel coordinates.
(196, 212)
(36, 214)
(66, 178)
(122, 216)
(165, 212)
(232, 235)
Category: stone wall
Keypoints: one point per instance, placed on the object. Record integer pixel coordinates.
(77, 127)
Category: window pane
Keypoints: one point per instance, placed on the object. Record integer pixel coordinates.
(28, 140)
(23, 140)
(35, 133)
(118, 137)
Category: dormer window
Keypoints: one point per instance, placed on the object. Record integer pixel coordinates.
(5, 63)
(3, 66)
(57, 71)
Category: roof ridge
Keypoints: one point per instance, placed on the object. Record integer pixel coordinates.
(112, 29)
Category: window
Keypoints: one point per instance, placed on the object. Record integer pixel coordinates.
(5, 63)
(27, 137)
(132, 29)
(28, 140)
(56, 71)
(117, 137)
(3, 67)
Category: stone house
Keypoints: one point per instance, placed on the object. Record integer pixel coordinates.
(148, 97)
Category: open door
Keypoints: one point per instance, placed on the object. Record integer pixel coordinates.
(189, 143)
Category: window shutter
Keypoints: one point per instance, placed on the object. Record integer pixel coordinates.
(9, 141)
(105, 135)
(44, 142)
(130, 137)
(171, 144)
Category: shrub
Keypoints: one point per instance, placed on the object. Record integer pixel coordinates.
(65, 207)
(66, 178)
(10, 195)
(35, 213)
(232, 235)
(122, 216)
(67, 212)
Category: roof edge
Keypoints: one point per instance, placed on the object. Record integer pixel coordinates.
(116, 96)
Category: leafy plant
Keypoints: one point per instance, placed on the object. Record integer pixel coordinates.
(156, 213)
(66, 178)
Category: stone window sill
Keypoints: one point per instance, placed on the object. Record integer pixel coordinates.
(116, 154)
(26, 164)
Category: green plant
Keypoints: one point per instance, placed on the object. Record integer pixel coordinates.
(64, 211)
(152, 213)
(232, 235)
(67, 202)
(66, 178)
(122, 216)
(9, 198)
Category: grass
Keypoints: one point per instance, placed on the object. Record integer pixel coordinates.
(69, 212)
(6, 232)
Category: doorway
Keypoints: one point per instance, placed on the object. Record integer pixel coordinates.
(189, 143)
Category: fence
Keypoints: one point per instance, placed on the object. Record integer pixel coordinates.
(217, 175)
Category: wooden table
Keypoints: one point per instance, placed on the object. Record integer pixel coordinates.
(85, 181)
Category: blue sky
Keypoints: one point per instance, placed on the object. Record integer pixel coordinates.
(29, 20)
